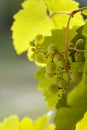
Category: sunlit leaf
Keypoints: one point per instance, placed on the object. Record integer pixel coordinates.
(60, 20)
(13, 123)
(32, 20)
(82, 124)
(77, 107)
(26, 124)
(84, 12)
(29, 21)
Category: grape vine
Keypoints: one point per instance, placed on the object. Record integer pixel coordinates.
(62, 57)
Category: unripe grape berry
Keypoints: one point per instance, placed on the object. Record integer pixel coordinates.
(33, 49)
(61, 92)
(63, 84)
(49, 76)
(58, 57)
(52, 48)
(79, 56)
(40, 57)
(61, 58)
(57, 79)
(63, 63)
(51, 67)
(39, 39)
(32, 43)
(53, 88)
(80, 44)
(76, 76)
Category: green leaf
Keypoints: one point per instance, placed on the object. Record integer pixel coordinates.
(82, 124)
(84, 12)
(77, 66)
(52, 99)
(13, 123)
(26, 124)
(66, 118)
(43, 81)
(85, 66)
(84, 32)
(60, 20)
(41, 123)
(29, 21)
(32, 20)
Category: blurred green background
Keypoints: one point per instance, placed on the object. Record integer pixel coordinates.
(18, 94)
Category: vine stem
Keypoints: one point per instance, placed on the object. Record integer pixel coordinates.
(71, 14)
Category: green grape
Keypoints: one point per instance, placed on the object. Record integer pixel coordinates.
(61, 92)
(40, 57)
(80, 44)
(76, 76)
(79, 56)
(61, 58)
(63, 63)
(33, 49)
(49, 76)
(57, 79)
(53, 88)
(52, 48)
(32, 43)
(58, 57)
(63, 84)
(51, 67)
(39, 39)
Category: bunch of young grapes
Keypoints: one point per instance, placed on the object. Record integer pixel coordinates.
(55, 64)
(77, 55)
(38, 54)
(55, 69)
(77, 51)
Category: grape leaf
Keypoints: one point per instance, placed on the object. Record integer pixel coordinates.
(77, 66)
(43, 84)
(26, 124)
(82, 124)
(85, 66)
(32, 20)
(52, 99)
(63, 5)
(13, 123)
(62, 102)
(66, 118)
(29, 21)
(84, 32)
(84, 12)
(79, 34)
(41, 123)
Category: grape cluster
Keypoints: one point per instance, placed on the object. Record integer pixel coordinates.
(77, 51)
(77, 55)
(54, 61)
(38, 54)
(55, 64)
